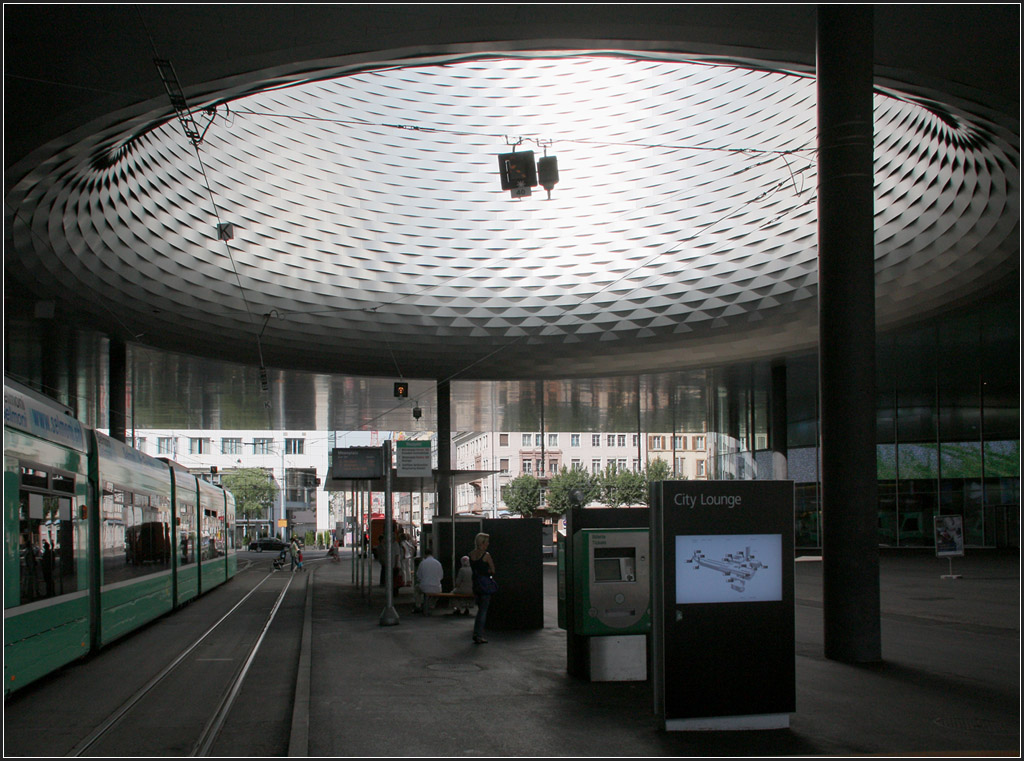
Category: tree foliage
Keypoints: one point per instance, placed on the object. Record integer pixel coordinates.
(658, 470)
(522, 495)
(563, 488)
(253, 488)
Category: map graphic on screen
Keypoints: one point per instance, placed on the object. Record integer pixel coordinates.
(713, 568)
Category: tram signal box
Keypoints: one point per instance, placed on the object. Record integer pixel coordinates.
(402, 389)
(518, 172)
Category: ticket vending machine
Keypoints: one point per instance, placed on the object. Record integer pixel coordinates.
(611, 569)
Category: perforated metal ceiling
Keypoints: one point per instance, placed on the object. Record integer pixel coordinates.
(371, 235)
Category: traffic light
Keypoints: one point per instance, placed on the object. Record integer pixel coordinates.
(401, 389)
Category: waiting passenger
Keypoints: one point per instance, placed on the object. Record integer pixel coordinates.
(428, 580)
(463, 586)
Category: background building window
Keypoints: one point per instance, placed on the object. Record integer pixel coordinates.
(503, 439)
(595, 439)
(294, 446)
(165, 445)
(527, 439)
(574, 440)
(503, 465)
(199, 446)
(262, 446)
(595, 466)
(552, 439)
(231, 446)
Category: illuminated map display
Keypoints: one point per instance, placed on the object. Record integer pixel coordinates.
(717, 568)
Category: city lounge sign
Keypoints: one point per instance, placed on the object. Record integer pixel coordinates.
(703, 499)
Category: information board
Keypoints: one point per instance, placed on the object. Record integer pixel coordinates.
(723, 629)
(357, 463)
(413, 459)
(949, 536)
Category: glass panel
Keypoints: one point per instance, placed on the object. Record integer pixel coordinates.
(135, 534)
(47, 562)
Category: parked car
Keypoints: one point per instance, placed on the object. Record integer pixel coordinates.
(271, 543)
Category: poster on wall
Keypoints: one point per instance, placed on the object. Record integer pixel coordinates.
(949, 536)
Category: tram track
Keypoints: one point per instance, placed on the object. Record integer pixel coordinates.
(185, 707)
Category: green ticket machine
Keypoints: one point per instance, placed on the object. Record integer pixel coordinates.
(613, 581)
(611, 601)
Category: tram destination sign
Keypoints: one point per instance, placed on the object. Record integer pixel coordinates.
(357, 463)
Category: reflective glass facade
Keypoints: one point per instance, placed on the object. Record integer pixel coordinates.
(948, 425)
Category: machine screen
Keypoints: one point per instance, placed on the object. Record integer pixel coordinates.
(607, 569)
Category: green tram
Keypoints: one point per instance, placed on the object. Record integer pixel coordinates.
(99, 538)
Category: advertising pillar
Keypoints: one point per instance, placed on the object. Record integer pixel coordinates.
(723, 626)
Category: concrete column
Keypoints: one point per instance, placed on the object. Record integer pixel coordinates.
(444, 450)
(117, 375)
(846, 342)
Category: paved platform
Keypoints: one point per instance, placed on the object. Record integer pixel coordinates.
(949, 683)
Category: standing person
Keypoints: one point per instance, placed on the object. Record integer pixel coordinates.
(408, 553)
(483, 583)
(47, 562)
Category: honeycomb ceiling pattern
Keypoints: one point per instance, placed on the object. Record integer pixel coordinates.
(371, 235)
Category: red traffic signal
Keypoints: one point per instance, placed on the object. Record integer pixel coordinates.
(402, 389)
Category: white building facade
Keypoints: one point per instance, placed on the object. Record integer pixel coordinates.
(545, 454)
(298, 462)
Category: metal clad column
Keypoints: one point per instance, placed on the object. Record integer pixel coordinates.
(846, 345)
(117, 374)
(778, 431)
(444, 450)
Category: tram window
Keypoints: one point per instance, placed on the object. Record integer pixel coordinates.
(186, 533)
(47, 563)
(135, 534)
(63, 483)
(34, 478)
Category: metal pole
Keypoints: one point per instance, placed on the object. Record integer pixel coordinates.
(389, 616)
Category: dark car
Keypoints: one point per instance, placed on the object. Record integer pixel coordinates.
(268, 543)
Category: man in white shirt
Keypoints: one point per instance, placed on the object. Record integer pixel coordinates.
(428, 579)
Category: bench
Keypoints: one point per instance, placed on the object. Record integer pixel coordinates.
(432, 597)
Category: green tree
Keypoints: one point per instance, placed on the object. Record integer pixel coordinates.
(658, 470)
(633, 488)
(254, 491)
(522, 495)
(620, 488)
(561, 488)
(608, 485)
